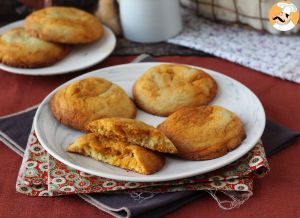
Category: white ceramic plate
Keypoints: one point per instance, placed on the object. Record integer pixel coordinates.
(80, 57)
(232, 95)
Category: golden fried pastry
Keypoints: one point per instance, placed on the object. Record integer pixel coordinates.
(64, 25)
(89, 99)
(204, 132)
(165, 88)
(20, 49)
(120, 154)
(133, 132)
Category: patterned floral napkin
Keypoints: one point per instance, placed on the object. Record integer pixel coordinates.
(43, 175)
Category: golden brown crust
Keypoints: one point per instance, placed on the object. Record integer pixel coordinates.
(203, 133)
(90, 99)
(20, 49)
(165, 88)
(133, 132)
(64, 25)
(120, 154)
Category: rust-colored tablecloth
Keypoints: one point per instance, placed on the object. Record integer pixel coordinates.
(277, 195)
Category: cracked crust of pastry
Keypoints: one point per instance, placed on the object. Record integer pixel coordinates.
(132, 131)
(203, 133)
(20, 49)
(165, 88)
(64, 25)
(90, 99)
(120, 154)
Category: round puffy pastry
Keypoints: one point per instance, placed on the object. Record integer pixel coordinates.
(203, 133)
(165, 88)
(20, 49)
(90, 99)
(64, 25)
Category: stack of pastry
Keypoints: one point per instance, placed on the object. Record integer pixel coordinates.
(105, 111)
(47, 36)
(126, 143)
(193, 130)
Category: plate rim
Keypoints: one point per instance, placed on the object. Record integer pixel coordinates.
(36, 71)
(143, 178)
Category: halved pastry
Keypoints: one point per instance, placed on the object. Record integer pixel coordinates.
(120, 154)
(133, 132)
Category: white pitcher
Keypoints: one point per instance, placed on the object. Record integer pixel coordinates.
(150, 20)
